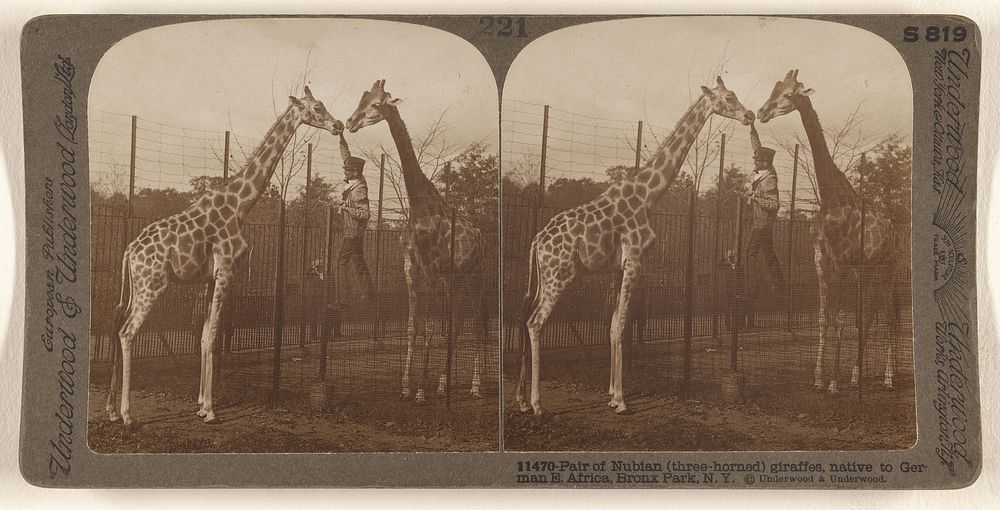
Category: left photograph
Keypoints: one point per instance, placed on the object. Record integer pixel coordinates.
(294, 240)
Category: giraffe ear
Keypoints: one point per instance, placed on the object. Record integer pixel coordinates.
(790, 74)
(309, 93)
(395, 101)
(295, 101)
(718, 81)
(806, 92)
(705, 90)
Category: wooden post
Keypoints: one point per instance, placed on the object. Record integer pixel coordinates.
(279, 304)
(304, 301)
(861, 278)
(689, 292)
(378, 257)
(225, 160)
(631, 321)
(328, 296)
(451, 326)
(541, 169)
(791, 239)
(740, 308)
(718, 230)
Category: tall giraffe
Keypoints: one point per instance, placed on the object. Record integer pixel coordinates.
(201, 244)
(610, 232)
(427, 241)
(836, 236)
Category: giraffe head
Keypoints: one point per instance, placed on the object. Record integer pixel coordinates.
(370, 109)
(726, 104)
(312, 112)
(783, 97)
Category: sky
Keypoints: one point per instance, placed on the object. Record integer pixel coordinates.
(189, 83)
(650, 69)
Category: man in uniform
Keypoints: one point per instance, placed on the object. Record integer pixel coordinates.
(764, 202)
(355, 214)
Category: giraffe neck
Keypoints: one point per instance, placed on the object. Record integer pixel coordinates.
(834, 189)
(421, 193)
(251, 182)
(659, 174)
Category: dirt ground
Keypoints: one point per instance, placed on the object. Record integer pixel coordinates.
(361, 414)
(769, 417)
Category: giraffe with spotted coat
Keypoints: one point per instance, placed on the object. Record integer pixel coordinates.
(201, 244)
(610, 233)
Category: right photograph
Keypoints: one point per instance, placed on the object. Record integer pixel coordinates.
(706, 229)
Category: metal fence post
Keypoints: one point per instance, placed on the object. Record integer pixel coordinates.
(738, 312)
(861, 278)
(718, 231)
(450, 305)
(791, 238)
(689, 292)
(303, 299)
(279, 303)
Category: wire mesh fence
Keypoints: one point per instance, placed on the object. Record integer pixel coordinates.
(296, 327)
(704, 308)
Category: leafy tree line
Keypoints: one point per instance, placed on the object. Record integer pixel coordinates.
(887, 185)
(470, 185)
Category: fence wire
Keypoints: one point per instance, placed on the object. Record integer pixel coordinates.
(770, 334)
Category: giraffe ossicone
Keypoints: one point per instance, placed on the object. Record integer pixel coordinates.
(836, 233)
(609, 233)
(201, 245)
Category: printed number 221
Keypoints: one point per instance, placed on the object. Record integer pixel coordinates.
(502, 26)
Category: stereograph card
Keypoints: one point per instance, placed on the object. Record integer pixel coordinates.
(409, 251)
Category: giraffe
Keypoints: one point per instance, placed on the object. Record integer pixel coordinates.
(610, 232)
(201, 244)
(426, 242)
(836, 234)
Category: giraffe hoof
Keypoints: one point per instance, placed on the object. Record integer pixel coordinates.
(524, 407)
(623, 410)
(832, 390)
(818, 385)
(202, 412)
(127, 422)
(113, 415)
(419, 396)
(475, 393)
(406, 393)
(209, 417)
(538, 410)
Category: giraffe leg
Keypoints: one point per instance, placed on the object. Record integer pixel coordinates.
(140, 310)
(867, 321)
(223, 277)
(412, 324)
(551, 290)
(116, 356)
(630, 277)
(619, 275)
(206, 329)
(823, 325)
(824, 290)
(833, 389)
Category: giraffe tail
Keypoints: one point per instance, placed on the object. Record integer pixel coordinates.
(530, 296)
(121, 313)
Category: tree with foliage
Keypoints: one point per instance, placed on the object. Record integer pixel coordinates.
(735, 182)
(887, 177)
(469, 183)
